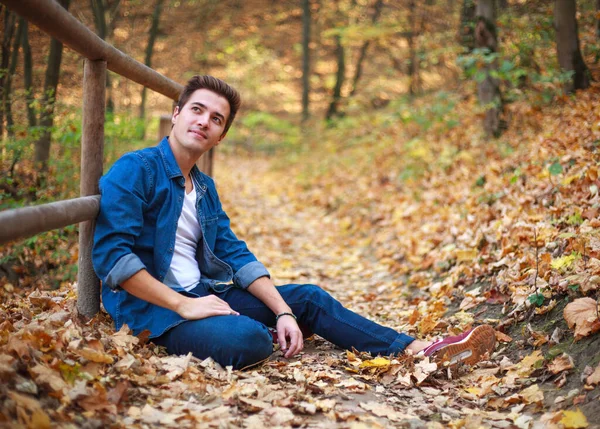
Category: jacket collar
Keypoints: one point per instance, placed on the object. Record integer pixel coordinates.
(169, 161)
(172, 168)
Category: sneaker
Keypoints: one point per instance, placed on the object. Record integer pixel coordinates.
(468, 348)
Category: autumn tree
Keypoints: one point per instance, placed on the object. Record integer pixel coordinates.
(466, 32)
(149, 51)
(28, 73)
(567, 45)
(9, 29)
(340, 76)
(306, 18)
(105, 19)
(42, 146)
(489, 87)
(377, 7)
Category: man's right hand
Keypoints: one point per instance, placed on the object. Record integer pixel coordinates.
(203, 307)
(144, 286)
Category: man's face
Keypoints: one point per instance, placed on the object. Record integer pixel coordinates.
(199, 125)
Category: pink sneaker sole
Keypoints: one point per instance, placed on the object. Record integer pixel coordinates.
(475, 347)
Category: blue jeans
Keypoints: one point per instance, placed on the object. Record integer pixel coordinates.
(244, 340)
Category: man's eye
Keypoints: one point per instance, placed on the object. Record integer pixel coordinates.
(217, 120)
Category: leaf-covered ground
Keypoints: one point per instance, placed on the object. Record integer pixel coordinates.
(427, 232)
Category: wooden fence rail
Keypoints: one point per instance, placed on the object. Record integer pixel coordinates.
(51, 18)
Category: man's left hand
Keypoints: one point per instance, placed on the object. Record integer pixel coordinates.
(289, 336)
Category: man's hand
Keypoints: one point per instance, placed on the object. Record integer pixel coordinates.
(201, 308)
(288, 330)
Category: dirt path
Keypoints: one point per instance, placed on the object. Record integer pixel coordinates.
(305, 244)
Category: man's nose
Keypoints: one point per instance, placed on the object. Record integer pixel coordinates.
(203, 119)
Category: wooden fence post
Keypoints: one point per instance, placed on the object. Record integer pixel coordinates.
(92, 156)
(164, 126)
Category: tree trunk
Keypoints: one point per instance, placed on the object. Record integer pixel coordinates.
(598, 19)
(105, 26)
(12, 67)
(488, 89)
(413, 65)
(567, 45)
(466, 31)
(149, 51)
(28, 73)
(306, 59)
(42, 146)
(365, 46)
(340, 75)
(9, 29)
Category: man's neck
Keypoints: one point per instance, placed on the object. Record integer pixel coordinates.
(185, 160)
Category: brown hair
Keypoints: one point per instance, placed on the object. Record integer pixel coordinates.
(218, 87)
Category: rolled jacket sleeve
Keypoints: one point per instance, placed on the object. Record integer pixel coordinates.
(120, 221)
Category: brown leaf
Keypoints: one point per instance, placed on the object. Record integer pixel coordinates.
(94, 355)
(48, 377)
(502, 337)
(594, 378)
(31, 415)
(582, 314)
(561, 363)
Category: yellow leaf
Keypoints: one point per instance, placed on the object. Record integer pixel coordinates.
(378, 362)
(564, 262)
(466, 255)
(574, 419)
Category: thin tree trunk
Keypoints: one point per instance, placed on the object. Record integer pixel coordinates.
(306, 18)
(12, 67)
(365, 46)
(413, 66)
(149, 52)
(489, 89)
(100, 9)
(28, 73)
(567, 45)
(598, 19)
(466, 31)
(340, 75)
(42, 146)
(9, 29)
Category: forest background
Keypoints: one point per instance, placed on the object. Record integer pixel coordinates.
(440, 157)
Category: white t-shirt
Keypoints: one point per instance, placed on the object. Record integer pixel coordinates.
(184, 265)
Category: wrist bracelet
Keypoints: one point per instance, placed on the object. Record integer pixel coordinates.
(284, 314)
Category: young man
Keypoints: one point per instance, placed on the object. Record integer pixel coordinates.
(169, 262)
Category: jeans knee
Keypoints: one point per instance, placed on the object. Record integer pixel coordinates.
(256, 346)
(314, 293)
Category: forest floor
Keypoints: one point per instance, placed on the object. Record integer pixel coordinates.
(430, 236)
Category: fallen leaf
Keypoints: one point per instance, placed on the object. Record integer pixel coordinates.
(383, 410)
(31, 415)
(378, 362)
(582, 314)
(502, 337)
(594, 377)
(574, 419)
(48, 377)
(94, 355)
(561, 363)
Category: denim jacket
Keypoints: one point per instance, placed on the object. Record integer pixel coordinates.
(141, 201)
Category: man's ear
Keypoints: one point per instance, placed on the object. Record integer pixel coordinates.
(175, 114)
